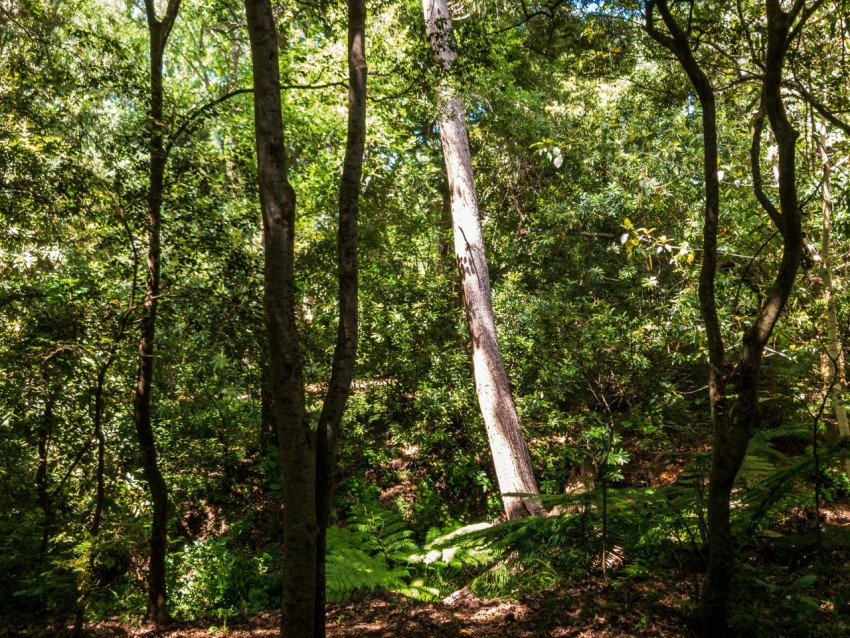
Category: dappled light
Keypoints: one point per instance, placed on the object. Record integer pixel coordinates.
(424, 319)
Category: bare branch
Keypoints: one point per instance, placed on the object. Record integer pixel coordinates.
(818, 106)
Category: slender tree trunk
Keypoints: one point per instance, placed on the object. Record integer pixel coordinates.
(159, 31)
(507, 443)
(296, 439)
(45, 502)
(835, 365)
(342, 370)
(94, 529)
(100, 438)
(734, 420)
(307, 457)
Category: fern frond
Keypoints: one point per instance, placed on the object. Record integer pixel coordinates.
(348, 568)
(763, 496)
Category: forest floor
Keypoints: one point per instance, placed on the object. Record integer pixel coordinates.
(792, 584)
(591, 609)
(807, 596)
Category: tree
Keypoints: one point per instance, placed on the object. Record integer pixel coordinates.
(835, 360)
(734, 385)
(345, 351)
(307, 457)
(507, 443)
(159, 30)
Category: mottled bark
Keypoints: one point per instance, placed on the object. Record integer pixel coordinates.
(342, 369)
(734, 420)
(507, 443)
(159, 30)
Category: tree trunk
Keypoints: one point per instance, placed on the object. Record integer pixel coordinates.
(342, 370)
(100, 437)
(307, 457)
(84, 586)
(734, 420)
(45, 502)
(157, 610)
(835, 363)
(507, 443)
(296, 440)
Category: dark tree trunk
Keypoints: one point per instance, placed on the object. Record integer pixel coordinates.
(307, 457)
(297, 441)
(507, 443)
(734, 420)
(100, 438)
(94, 528)
(45, 502)
(342, 370)
(157, 609)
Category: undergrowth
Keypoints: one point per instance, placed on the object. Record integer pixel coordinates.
(619, 535)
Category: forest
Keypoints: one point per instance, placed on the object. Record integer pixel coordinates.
(470, 318)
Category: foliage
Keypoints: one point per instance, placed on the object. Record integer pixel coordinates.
(587, 157)
(213, 579)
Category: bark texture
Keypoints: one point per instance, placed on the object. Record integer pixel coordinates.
(296, 440)
(159, 30)
(342, 369)
(507, 443)
(308, 457)
(734, 419)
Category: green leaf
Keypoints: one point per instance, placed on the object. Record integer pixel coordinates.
(806, 581)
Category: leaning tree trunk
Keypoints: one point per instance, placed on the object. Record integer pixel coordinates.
(507, 443)
(342, 370)
(734, 419)
(159, 31)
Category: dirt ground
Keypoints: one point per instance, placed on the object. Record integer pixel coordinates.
(595, 610)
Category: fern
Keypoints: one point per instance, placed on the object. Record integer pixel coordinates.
(761, 498)
(383, 531)
(452, 547)
(349, 568)
(376, 552)
(534, 553)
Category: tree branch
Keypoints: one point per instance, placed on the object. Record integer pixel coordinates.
(821, 108)
(795, 10)
(548, 11)
(198, 112)
(755, 167)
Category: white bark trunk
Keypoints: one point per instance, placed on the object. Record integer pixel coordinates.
(507, 443)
